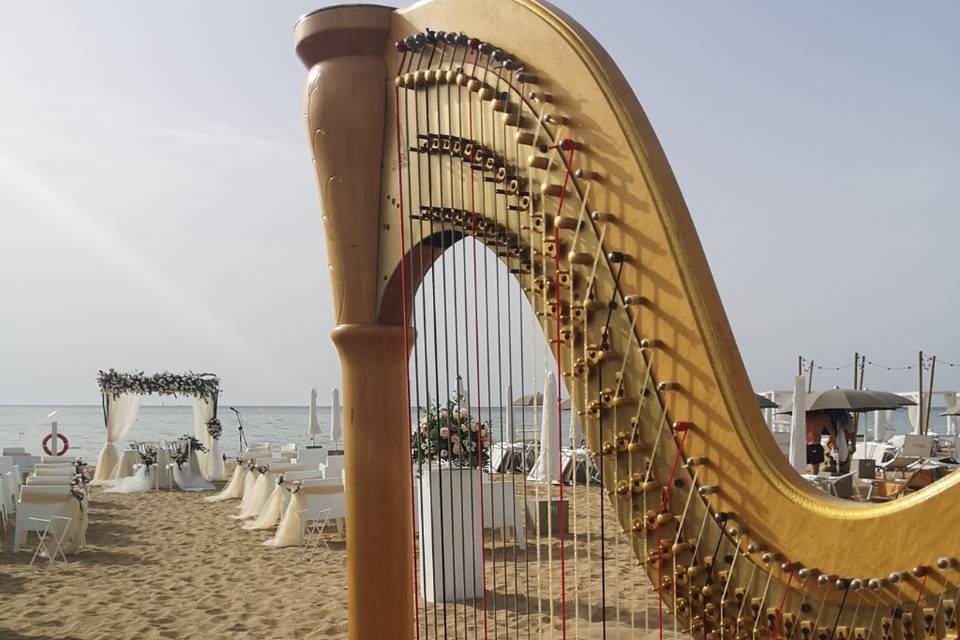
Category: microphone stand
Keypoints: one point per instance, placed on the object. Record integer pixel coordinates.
(243, 439)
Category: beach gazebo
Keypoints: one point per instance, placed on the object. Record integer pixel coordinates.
(120, 397)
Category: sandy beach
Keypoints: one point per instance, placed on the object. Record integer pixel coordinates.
(170, 565)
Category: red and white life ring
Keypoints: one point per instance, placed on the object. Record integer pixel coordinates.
(62, 438)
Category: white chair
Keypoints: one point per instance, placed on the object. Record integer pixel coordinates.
(8, 492)
(56, 527)
(48, 481)
(502, 509)
(53, 471)
(292, 476)
(57, 459)
(38, 502)
(311, 457)
(335, 502)
(333, 467)
(316, 524)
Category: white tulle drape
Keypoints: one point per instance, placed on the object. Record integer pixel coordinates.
(121, 414)
(211, 462)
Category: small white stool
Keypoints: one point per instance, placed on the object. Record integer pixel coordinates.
(314, 529)
(50, 528)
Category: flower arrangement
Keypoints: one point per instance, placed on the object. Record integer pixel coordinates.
(80, 471)
(214, 428)
(449, 434)
(200, 385)
(147, 452)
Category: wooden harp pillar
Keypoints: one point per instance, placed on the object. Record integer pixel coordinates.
(345, 109)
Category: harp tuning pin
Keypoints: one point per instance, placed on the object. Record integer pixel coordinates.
(919, 571)
(823, 580)
(474, 43)
(430, 37)
(511, 65)
(875, 584)
(664, 518)
(788, 567)
(634, 301)
(707, 490)
(451, 38)
(696, 461)
(537, 96)
(650, 343)
(754, 547)
(496, 55)
(615, 257)
(568, 144)
(551, 189)
(525, 77)
(894, 577)
(554, 119)
(944, 563)
(462, 39)
(583, 174)
(667, 386)
(485, 48)
(411, 43)
(401, 46)
(681, 426)
(856, 584)
(601, 216)
(420, 38)
(807, 572)
(577, 257)
(769, 557)
(842, 584)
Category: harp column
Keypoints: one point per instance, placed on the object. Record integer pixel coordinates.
(343, 50)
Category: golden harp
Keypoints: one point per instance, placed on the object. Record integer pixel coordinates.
(505, 123)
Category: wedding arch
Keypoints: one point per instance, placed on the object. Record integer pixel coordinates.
(121, 394)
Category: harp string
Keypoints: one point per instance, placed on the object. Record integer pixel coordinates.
(406, 343)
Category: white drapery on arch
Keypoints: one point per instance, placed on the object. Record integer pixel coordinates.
(120, 414)
(211, 463)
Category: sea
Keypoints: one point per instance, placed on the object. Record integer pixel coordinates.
(26, 425)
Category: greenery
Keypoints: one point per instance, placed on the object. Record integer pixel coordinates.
(148, 454)
(200, 385)
(448, 433)
(214, 429)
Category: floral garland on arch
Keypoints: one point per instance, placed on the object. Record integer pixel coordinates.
(214, 428)
(200, 385)
(449, 434)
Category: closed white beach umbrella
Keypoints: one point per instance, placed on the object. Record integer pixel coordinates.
(547, 467)
(798, 425)
(313, 427)
(336, 431)
(509, 426)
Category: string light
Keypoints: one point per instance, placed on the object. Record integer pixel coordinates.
(807, 365)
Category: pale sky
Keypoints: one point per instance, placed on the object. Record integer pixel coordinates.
(157, 208)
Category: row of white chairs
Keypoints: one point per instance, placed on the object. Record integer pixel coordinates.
(266, 504)
(45, 498)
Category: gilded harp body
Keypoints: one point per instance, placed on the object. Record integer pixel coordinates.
(513, 128)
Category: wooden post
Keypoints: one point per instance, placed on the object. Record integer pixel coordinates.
(933, 369)
(920, 407)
